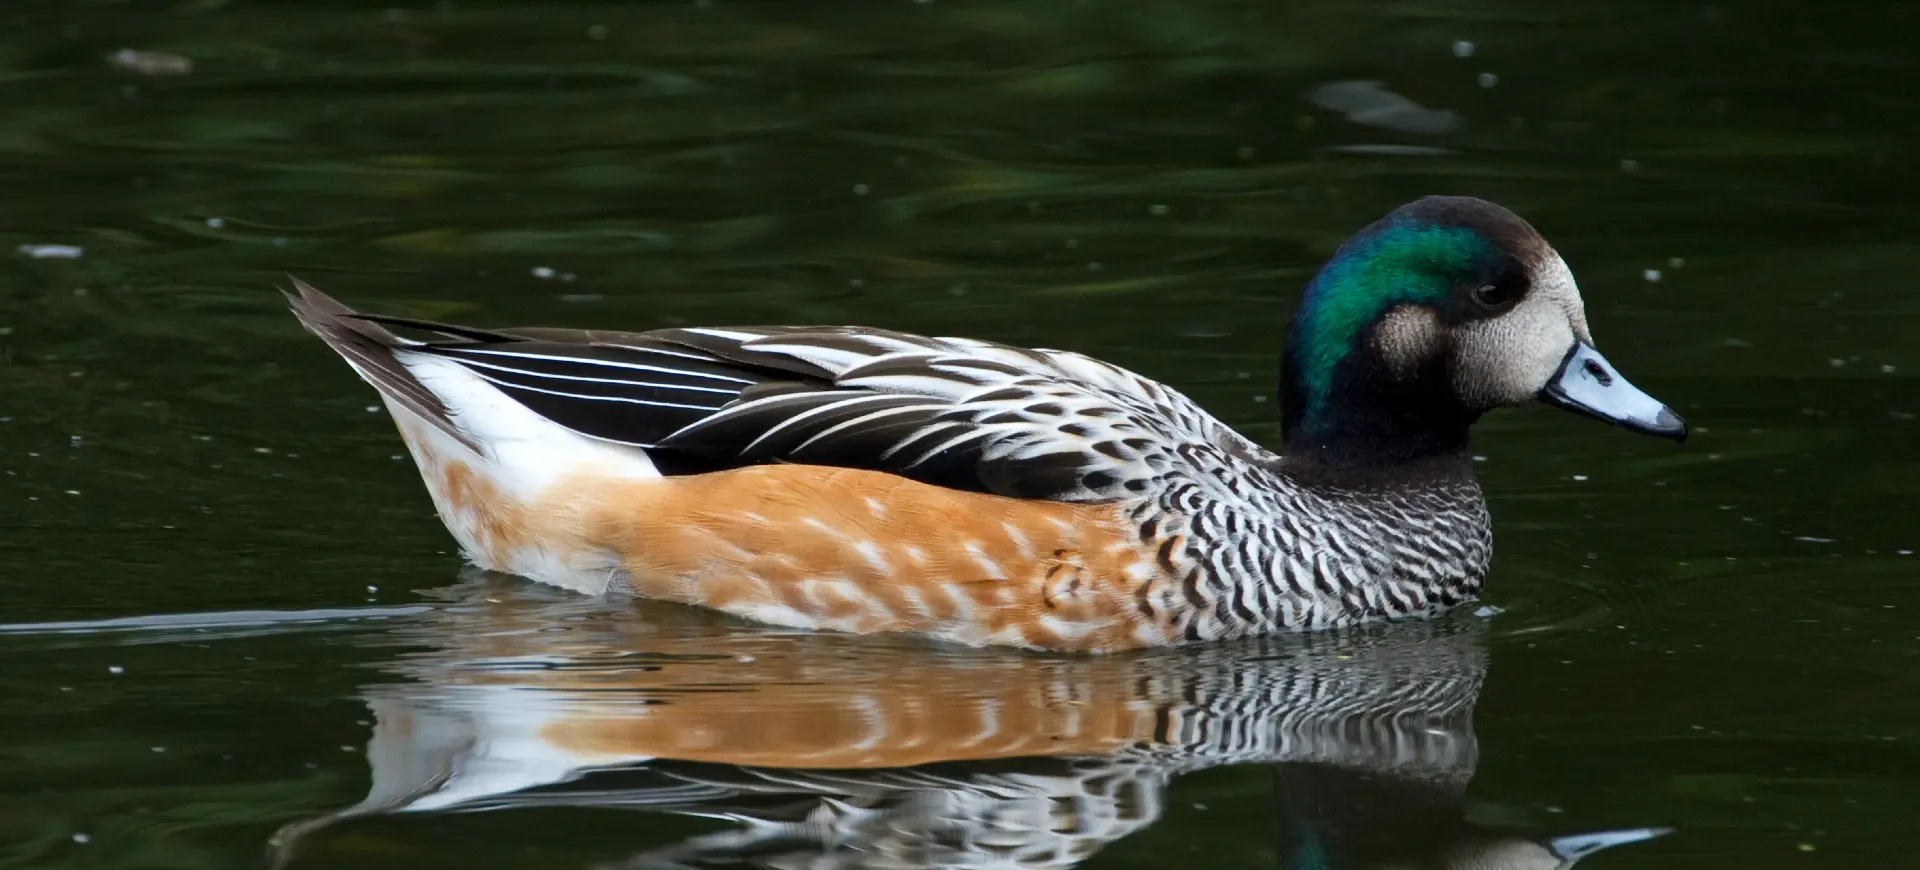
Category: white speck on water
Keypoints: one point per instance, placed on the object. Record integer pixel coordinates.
(1463, 48)
(1158, 210)
(1260, 398)
(745, 660)
(861, 190)
(158, 750)
(1886, 369)
(263, 450)
(53, 252)
(1487, 80)
(1651, 276)
(151, 63)
(373, 409)
(82, 838)
(116, 670)
(345, 748)
(73, 492)
(1579, 477)
(373, 589)
(216, 223)
(1554, 810)
(395, 457)
(1676, 262)
(1809, 539)
(1489, 610)
(1628, 165)
(544, 273)
(1904, 552)
(1479, 459)
(856, 283)
(1836, 362)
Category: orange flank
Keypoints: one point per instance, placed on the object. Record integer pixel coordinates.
(865, 551)
(824, 547)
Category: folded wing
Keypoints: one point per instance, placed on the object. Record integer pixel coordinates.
(953, 412)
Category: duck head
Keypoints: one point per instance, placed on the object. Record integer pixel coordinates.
(1437, 313)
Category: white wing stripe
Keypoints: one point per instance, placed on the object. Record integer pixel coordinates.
(864, 419)
(639, 349)
(598, 362)
(728, 334)
(470, 363)
(814, 412)
(949, 444)
(597, 398)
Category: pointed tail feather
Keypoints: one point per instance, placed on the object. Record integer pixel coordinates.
(369, 348)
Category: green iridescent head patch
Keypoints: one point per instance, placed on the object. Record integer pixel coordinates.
(1395, 263)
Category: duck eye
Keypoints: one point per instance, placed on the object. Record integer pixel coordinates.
(1490, 296)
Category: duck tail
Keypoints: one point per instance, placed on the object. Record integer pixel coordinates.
(370, 349)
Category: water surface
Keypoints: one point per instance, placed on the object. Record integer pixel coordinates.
(1716, 639)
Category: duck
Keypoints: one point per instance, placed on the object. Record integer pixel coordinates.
(863, 480)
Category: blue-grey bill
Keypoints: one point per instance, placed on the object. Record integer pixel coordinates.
(1587, 383)
(1571, 849)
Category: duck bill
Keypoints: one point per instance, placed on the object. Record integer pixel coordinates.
(1587, 384)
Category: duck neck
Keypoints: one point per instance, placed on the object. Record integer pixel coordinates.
(1370, 426)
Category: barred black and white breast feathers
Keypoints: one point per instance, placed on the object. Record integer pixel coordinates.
(955, 412)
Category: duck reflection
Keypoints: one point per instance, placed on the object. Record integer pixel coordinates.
(825, 751)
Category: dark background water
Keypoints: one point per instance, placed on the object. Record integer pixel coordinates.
(1719, 638)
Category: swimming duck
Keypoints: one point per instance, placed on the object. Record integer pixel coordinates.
(866, 480)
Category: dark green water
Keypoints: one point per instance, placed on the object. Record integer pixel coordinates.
(1720, 638)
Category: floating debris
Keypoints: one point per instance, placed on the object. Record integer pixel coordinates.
(53, 252)
(1370, 103)
(1487, 80)
(151, 63)
(1463, 49)
(1651, 276)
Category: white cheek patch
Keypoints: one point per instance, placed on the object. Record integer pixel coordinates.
(1506, 360)
(1554, 281)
